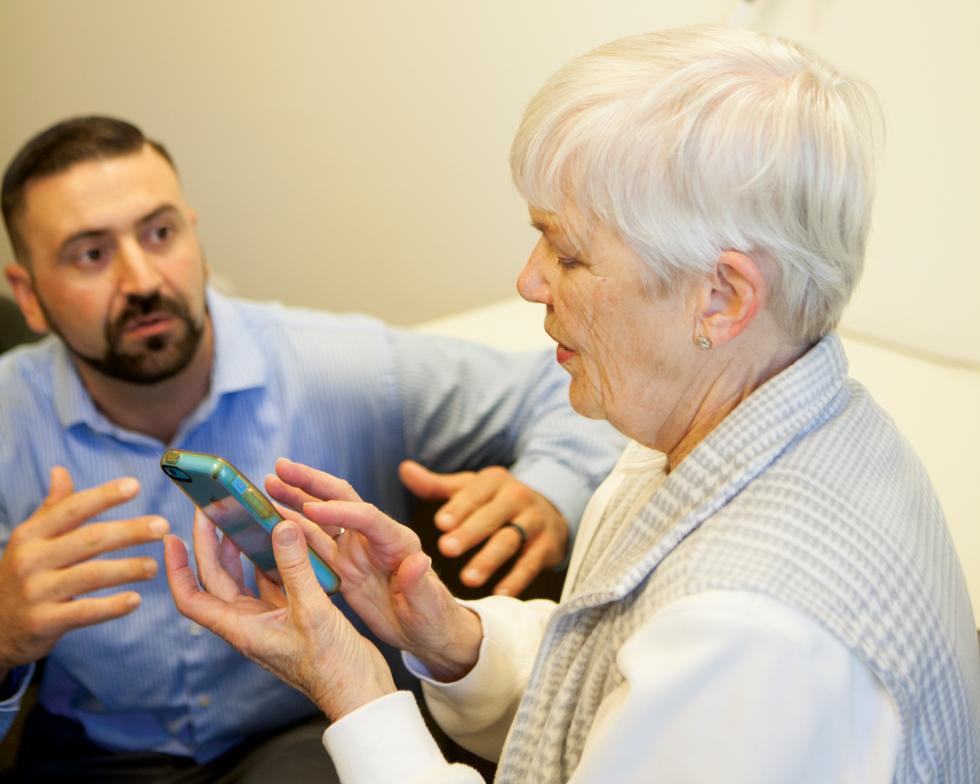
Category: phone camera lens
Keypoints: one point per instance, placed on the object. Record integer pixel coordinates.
(176, 473)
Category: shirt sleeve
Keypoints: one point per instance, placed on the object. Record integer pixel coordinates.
(11, 693)
(737, 687)
(477, 710)
(387, 740)
(467, 406)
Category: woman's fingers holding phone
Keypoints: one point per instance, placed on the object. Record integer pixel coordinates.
(316, 485)
(210, 571)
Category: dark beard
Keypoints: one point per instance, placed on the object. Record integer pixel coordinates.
(159, 358)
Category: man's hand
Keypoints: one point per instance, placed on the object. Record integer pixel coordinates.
(479, 506)
(50, 560)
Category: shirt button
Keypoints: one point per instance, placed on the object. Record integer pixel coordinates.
(204, 700)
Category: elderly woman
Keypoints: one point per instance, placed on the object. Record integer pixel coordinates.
(763, 590)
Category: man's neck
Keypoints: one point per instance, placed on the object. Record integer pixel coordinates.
(154, 410)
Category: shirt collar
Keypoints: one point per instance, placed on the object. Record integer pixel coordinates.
(239, 364)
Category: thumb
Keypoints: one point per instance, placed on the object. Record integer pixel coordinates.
(429, 484)
(420, 588)
(293, 561)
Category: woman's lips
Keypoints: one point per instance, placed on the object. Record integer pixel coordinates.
(563, 354)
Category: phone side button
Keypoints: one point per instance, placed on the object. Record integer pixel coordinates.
(257, 503)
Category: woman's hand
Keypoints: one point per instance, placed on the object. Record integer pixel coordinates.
(298, 635)
(385, 576)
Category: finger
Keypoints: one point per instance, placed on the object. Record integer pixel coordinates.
(191, 600)
(230, 558)
(90, 611)
(293, 559)
(411, 572)
(62, 584)
(319, 484)
(289, 497)
(210, 572)
(68, 512)
(477, 491)
(479, 524)
(321, 541)
(499, 549)
(428, 484)
(297, 517)
(388, 538)
(536, 558)
(98, 538)
(269, 591)
(61, 486)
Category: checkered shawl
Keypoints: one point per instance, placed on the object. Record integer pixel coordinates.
(806, 493)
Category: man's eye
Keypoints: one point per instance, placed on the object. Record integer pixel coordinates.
(567, 263)
(88, 256)
(159, 235)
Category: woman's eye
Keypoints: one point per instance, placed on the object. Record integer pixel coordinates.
(567, 263)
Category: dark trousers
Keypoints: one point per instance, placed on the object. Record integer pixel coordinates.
(56, 749)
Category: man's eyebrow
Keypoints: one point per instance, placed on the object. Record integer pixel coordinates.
(161, 210)
(86, 234)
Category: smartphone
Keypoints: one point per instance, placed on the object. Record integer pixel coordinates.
(237, 507)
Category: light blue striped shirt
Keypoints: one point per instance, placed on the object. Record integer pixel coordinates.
(344, 393)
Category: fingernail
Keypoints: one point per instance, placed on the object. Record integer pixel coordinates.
(471, 575)
(287, 535)
(449, 545)
(444, 518)
(159, 526)
(499, 591)
(133, 600)
(150, 567)
(128, 486)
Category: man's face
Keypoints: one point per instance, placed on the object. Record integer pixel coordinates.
(115, 266)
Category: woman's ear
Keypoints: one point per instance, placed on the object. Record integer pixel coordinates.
(731, 298)
(22, 286)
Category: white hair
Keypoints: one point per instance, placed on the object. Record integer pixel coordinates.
(694, 141)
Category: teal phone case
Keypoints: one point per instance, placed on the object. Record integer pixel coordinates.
(237, 507)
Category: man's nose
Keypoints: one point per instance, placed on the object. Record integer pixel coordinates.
(138, 273)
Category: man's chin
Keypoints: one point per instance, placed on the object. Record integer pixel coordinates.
(157, 359)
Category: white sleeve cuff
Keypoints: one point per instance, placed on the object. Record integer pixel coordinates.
(385, 740)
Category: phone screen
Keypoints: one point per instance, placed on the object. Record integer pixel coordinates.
(252, 539)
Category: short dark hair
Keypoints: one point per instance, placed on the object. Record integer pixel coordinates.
(60, 147)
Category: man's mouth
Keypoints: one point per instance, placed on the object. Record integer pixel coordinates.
(150, 324)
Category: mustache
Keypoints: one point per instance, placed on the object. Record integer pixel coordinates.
(138, 305)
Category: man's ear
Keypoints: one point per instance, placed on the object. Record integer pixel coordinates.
(22, 286)
(731, 298)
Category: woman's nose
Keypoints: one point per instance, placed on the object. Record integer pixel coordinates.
(531, 283)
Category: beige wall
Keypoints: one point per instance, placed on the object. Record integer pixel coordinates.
(353, 155)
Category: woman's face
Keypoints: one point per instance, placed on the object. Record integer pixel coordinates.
(627, 347)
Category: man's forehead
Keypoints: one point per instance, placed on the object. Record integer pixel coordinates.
(100, 192)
